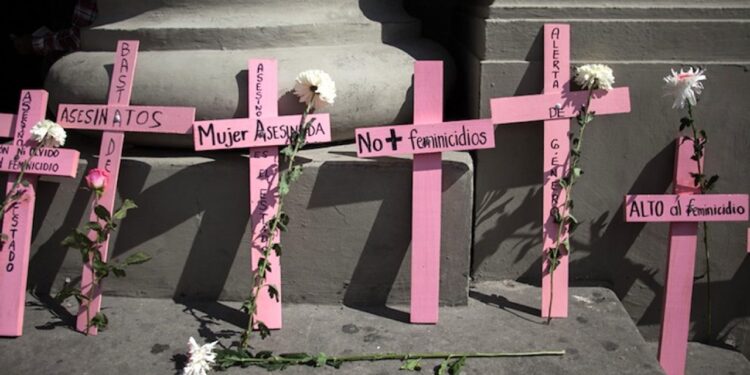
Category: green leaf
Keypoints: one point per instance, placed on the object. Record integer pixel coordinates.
(335, 363)
(100, 321)
(283, 185)
(25, 183)
(122, 212)
(321, 359)
(455, 367)
(710, 183)
(263, 330)
(77, 240)
(294, 173)
(577, 172)
(248, 307)
(137, 258)
(273, 293)
(264, 354)
(685, 122)
(284, 218)
(277, 249)
(102, 213)
(411, 364)
(443, 368)
(92, 225)
(287, 151)
(118, 271)
(101, 269)
(572, 223)
(556, 216)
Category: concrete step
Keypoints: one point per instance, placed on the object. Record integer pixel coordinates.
(150, 335)
(704, 359)
(348, 240)
(222, 25)
(218, 90)
(601, 31)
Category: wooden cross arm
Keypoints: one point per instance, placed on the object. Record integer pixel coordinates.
(146, 119)
(557, 105)
(262, 132)
(425, 139)
(47, 161)
(7, 120)
(686, 208)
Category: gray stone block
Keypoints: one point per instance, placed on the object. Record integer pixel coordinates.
(599, 338)
(194, 53)
(348, 241)
(510, 30)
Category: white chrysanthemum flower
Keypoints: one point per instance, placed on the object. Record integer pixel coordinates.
(48, 133)
(598, 76)
(684, 86)
(201, 358)
(315, 83)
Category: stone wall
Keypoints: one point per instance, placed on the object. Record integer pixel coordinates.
(632, 153)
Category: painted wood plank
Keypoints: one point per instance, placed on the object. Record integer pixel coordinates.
(425, 139)
(557, 105)
(678, 286)
(262, 132)
(47, 162)
(426, 198)
(680, 208)
(18, 223)
(110, 155)
(126, 118)
(264, 182)
(556, 160)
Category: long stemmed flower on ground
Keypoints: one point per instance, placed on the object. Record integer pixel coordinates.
(316, 89)
(684, 87)
(591, 77)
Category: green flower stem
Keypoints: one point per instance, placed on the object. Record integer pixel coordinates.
(443, 355)
(260, 279)
(703, 189)
(310, 360)
(575, 157)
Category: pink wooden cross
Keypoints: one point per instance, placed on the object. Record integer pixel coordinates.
(556, 106)
(18, 220)
(683, 211)
(113, 120)
(426, 139)
(262, 132)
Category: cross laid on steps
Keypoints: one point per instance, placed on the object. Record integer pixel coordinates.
(683, 211)
(113, 120)
(18, 220)
(556, 106)
(426, 139)
(262, 132)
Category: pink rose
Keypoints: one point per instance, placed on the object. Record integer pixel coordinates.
(97, 179)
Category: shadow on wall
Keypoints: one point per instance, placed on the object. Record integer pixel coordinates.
(222, 217)
(381, 265)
